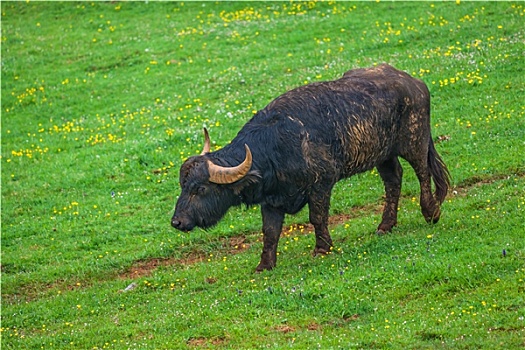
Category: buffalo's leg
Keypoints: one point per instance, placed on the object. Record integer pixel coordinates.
(272, 225)
(429, 206)
(392, 173)
(319, 205)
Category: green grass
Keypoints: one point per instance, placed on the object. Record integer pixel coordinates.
(101, 104)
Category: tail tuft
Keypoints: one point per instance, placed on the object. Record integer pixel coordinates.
(439, 173)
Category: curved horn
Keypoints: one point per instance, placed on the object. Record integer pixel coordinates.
(227, 175)
(206, 148)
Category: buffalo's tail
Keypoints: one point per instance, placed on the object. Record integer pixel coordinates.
(439, 173)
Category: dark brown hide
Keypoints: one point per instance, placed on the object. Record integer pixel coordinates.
(309, 138)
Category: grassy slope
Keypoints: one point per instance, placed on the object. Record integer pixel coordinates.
(101, 103)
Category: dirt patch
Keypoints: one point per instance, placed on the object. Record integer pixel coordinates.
(237, 244)
(141, 268)
(334, 220)
(35, 291)
(284, 328)
(349, 318)
(506, 329)
(314, 326)
(205, 342)
(480, 180)
(211, 280)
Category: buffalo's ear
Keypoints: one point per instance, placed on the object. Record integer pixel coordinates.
(251, 178)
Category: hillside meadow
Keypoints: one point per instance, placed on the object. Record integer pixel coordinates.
(101, 102)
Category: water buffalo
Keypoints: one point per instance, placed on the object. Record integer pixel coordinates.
(292, 152)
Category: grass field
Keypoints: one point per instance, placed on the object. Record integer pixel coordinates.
(101, 104)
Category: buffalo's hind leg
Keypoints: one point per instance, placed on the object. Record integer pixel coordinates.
(272, 225)
(319, 205)
(391, 173)
(429, 205)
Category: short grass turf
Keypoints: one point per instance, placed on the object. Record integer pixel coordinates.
(101, 102)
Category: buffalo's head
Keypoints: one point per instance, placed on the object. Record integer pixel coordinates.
(208, 189)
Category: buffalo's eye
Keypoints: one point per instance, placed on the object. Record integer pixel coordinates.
(201, 190)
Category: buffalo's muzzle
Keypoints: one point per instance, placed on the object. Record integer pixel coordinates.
(181, 224)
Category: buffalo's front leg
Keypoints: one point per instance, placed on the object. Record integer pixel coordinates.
(319, 205)
(391, 172)
(272, 225)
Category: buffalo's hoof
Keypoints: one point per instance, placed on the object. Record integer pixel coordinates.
(320, 251)
(261, 267)
(385, 227)
(433, 218)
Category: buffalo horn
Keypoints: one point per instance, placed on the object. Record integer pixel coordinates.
(227, 175)
(206, 148)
